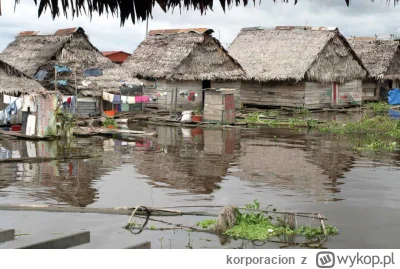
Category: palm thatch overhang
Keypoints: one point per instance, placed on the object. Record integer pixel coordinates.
(296, 53)
(381, 57)
(136, 9)
(35, 55)
(14, 82)
(183, 54)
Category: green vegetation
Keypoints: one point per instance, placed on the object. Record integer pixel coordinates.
(376, 125)
(208, 223)
(291, 122)
(370, 134)
(110, 122)
(253, 224)
(379, 107)
(303, 111)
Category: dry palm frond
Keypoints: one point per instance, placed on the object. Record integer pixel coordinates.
(226, 219)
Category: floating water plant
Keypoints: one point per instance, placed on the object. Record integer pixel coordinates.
(251, 223)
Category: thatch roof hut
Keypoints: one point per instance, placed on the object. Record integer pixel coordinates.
(289, 53)
(382, 59)
(184, 59)
(294, 55)
(183, 54)
(14, 82)
(32, 54)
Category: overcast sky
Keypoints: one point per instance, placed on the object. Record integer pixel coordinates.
(362, 18)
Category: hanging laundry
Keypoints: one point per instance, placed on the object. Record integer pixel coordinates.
(40, 75)
(145, 99)
(93, 72)
(131, 100)
(192, 96)
(124, 99)
(117, 99)
(124, 107)
(62, 69)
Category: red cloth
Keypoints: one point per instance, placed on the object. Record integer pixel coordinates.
(69, 100)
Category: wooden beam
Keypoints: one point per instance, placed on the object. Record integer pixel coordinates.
(144, 245)
(68, 241)
(7, 235)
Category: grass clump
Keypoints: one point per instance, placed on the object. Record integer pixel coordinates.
(207, 223)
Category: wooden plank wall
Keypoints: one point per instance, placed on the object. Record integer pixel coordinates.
(273, 93)
(164, 100)
(350, 93)
(370, 91)
(213, 106)
(231, 85)
(317, 95)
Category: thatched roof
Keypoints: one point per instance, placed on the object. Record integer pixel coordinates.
(137, 9)
(380, 57)
(70, 48)
(13, 82)
(183, 54)
(296, 53)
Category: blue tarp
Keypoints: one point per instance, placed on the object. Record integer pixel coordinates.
(394, 114)
(40, 75)
(62, 69)
(94, 72)
(394, 97)
(61, 82)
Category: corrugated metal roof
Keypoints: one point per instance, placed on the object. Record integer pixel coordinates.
(28, 33)
(105, 53)
(180, 31)
(290, 28)
(66, 31)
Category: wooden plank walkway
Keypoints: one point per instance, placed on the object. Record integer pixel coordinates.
(7, 235)
(64, 242)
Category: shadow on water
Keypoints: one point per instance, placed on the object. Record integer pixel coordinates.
(296, 170)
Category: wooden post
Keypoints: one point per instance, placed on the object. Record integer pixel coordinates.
(76, 96)
(176, 101)
(55, 80)
(172, 102)
(7, 235)
(68, 241)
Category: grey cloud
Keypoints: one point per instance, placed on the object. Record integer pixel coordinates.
(363, 17)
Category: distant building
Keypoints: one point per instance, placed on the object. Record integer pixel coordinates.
(117, 57)
(297, 66)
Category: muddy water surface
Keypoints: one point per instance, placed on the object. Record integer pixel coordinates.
(295, 170)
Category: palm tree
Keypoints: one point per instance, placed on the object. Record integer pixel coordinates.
(137, 9)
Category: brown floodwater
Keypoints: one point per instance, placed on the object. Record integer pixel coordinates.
(292, 169)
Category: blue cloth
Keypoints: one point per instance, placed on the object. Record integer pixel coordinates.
(117, 99)
(394, 97)
(94, 72)
(62, 69)
(40, 75)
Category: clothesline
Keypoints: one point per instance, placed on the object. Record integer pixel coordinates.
(122, 99)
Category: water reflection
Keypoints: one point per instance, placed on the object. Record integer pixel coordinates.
(196, 161)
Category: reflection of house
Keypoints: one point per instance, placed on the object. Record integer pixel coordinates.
(196, 164)
(188, 60)
(294, 161)
(382, 59)
(68, 57)
(297, 67)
